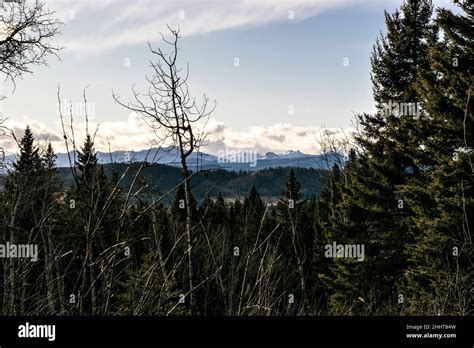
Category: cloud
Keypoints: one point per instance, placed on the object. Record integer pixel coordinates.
(279, 137)
(131, 134)
(123, 22)
(135, 134)
(15, 129)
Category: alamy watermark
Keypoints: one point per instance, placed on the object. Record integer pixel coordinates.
(237, 156)
(20, 251)
(345, 251)
(28, 330)
(79, 109)
(401, 109)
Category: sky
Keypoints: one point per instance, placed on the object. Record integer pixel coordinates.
(279, 71)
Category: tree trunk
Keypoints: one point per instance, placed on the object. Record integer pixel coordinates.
(187, 192)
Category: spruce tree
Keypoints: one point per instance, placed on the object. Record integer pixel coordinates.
(296, 237)
(22, 214)
(251, 217)
(52, 183)
(375, 212)
(51, 228)
(89, 219)
(441, 268)
(29, 159)
(87, 163)
(23, 187)
(327, 219)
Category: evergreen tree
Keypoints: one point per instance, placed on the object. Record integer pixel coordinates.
(375, 213)
(29, 159)
(251, 217)
(50, 228)
(289, 211)
(92, 233)
(296, 237)
(22, 216)
(52, 182)
(23, 187)
(327, 219)
(441, 269)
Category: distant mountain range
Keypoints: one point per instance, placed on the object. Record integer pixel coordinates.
(230, 161)
(229, 174)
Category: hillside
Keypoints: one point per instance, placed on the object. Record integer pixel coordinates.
(160, 178)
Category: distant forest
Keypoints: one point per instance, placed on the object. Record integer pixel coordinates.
(158, 179)
(139, 240)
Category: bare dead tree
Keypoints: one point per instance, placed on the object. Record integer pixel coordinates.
(26, 29)
(173, 113)
(25, 34)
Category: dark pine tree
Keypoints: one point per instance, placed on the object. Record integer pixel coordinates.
(374, 208)
(441, 268)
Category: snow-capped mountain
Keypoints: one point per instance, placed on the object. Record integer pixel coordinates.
(232, 162)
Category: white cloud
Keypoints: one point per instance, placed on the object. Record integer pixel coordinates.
(135, 134)
(279, 137)
(122, 22)
(131, 134)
